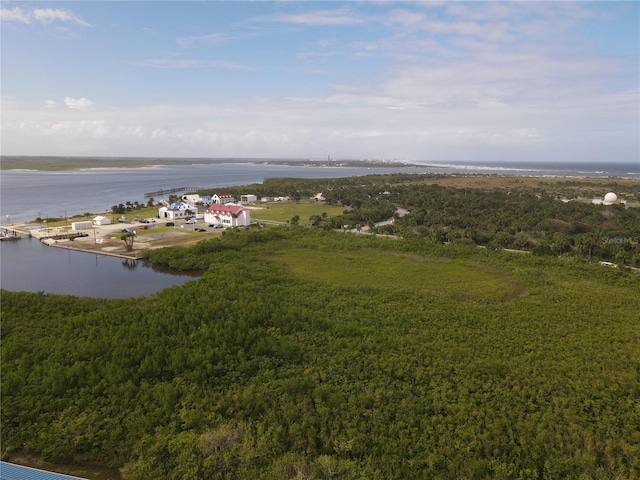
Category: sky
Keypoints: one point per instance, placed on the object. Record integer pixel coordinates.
(390, 80)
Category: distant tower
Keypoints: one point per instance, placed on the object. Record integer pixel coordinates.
(328, 158)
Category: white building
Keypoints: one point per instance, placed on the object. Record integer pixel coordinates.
(229, 215)
(85, 225)
(223, 198)
(177, 210)
(195, 198)
(101, 220)
(248, 198)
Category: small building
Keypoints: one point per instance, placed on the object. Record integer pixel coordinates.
(248, 198)
(177, 210)
(85, 225)
(229, 215)
(101, 220)
(194, 199)
(223, 198)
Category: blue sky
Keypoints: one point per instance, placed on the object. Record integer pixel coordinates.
(415, 81)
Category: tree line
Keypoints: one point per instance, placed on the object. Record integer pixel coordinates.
(532, 219)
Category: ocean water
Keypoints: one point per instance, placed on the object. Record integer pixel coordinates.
(28, 194)
(549, 169)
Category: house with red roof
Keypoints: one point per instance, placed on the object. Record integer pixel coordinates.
(223, 198)
(229, 215)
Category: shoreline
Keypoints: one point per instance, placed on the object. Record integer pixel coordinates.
(598, 170)
(55, 163)
(106, 241)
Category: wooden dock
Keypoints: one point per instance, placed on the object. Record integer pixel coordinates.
(174, 190)
(13, 233)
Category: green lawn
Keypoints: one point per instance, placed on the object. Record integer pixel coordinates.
(281, 212)
(146, 212)
(409, 273)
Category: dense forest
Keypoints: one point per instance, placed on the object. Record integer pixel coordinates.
(539, 218)
(307, 353)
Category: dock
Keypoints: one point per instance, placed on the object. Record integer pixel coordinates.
(8, 233)
(54, 233)
(174, 190)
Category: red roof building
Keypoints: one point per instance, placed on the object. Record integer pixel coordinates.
(229, 215)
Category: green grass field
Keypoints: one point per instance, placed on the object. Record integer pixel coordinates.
(281, 212)
(277, 212)
(385, 270)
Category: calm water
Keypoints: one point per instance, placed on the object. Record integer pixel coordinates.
(26, 195)
(28, 265)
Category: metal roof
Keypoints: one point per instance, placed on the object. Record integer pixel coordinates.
(11, 471)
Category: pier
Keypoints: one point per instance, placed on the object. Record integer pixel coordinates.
(54, 233)
(174, 190)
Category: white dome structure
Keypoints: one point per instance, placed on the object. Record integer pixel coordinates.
(610, 198)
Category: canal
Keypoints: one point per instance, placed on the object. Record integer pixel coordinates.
(30, 266)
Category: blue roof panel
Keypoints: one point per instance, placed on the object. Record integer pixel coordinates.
(11, 471)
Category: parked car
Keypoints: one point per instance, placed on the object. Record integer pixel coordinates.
(170, 224)
(199, 229)
(191, 221)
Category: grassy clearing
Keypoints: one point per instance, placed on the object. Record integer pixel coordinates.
(281, 212)
(420, 275)
(146, 212)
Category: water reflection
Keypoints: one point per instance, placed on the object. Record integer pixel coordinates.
(145, 262)
(27, 265)
(130, 264)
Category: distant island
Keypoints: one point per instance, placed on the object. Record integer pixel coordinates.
(53, 163)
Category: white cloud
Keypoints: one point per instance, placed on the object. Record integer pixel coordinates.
(42, 16)
(48, 15)
(335, 17)
(77, 103)
(15, 15)
(406, 19)
(349, 124)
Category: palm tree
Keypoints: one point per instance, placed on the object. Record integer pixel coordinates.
(128, 240)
